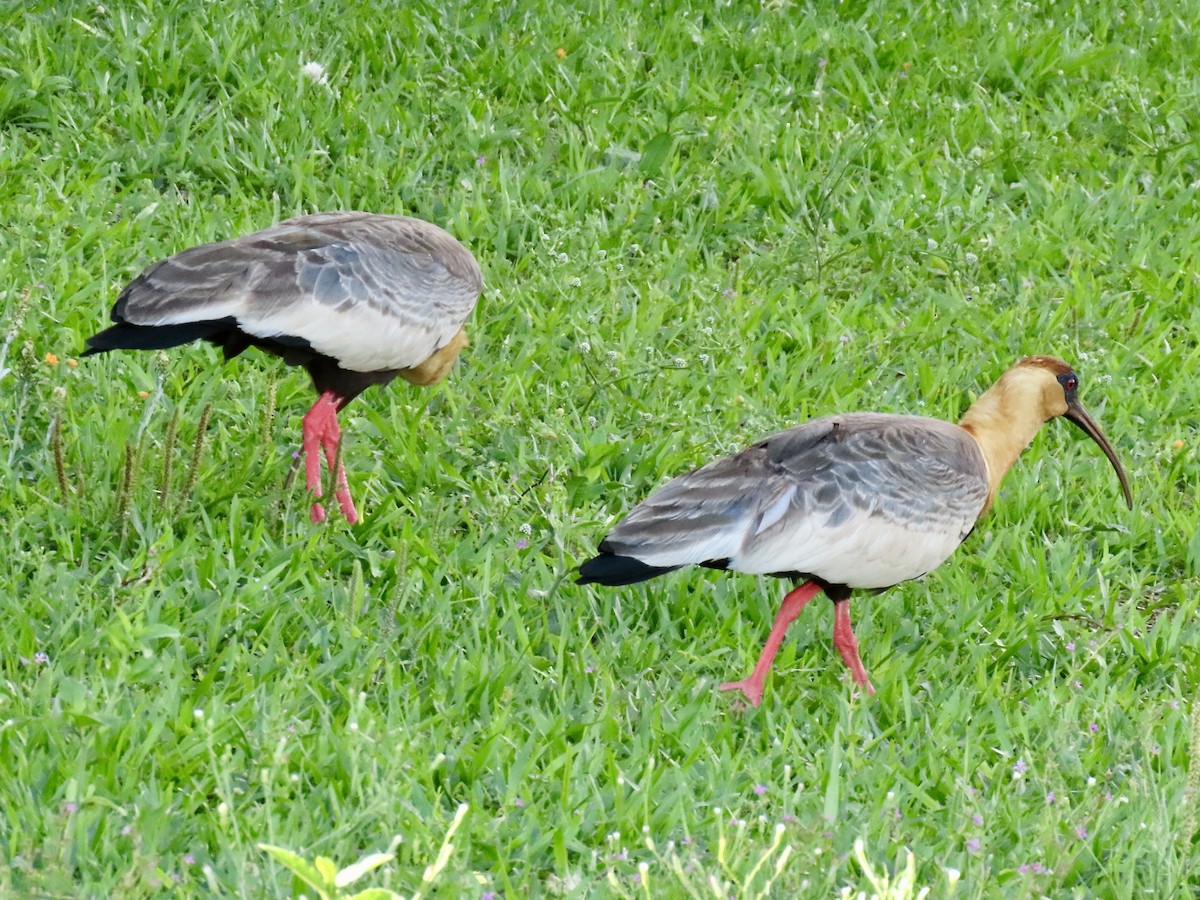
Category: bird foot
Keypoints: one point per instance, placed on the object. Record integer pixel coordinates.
(751, 688)
(344, 499)
(321, 432)
(847, 645)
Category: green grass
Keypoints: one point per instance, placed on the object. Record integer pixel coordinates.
(697, 226)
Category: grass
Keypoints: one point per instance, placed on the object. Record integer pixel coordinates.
(697, 225)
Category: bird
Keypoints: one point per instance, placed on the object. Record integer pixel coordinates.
(355, 298)
(844, 502)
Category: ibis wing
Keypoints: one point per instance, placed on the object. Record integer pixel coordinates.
(924, 474)
(372, 292)
(705, 515)
(842, 498)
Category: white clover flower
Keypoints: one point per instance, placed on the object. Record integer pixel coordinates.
(315, 72)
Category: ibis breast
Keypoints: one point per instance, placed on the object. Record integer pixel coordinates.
(372, 292)
(866, 500)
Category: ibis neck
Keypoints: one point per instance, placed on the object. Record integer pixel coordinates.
(1003, 425)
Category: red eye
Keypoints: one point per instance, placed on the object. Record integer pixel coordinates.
(1071, 384)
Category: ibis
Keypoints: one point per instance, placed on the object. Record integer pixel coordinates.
(355, 298)
(844, 502)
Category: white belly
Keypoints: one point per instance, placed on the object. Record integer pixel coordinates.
(863, 552)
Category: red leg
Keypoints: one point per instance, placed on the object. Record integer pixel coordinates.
(321, 432)
(847, 644)
(331, 442)
(795, 601)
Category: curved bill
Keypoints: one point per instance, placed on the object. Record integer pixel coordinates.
(1077, 414)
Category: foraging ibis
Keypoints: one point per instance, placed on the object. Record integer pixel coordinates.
(356, 298)
(863, 500)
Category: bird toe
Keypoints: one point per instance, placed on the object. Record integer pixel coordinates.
(750, 690)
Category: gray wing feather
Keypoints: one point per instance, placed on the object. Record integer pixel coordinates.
(303, 274)
(923, 474)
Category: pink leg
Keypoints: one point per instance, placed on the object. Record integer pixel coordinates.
(795, 601)
(321, 431)
(331, 440)
(847, 644)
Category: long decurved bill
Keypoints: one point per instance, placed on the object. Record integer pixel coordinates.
(1077, 414)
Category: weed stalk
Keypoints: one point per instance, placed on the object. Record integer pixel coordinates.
(197, 450)
(164, 480)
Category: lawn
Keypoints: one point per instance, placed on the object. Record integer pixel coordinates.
(697, 225)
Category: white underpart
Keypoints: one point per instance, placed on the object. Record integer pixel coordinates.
(864, 551)
(361, 338)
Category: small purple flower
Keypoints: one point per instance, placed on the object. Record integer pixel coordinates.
(1019, 768)
(589, 669)
(127, 831)
(1078, 685)
(41, 658)
(822, 62)
(760, 789)
(623, 856)
(1071, 646)
(295, 454)
(977, 819)
(973, 845)
(1093, 727)
(1108, 796)
(1081, 833)
(789, 819)
(845, 339)
(522, 543)
(637, 877)
(480, 160)
(519, 803)
(1049, 798)
(488, 895)
(189, 859)
(70, 808)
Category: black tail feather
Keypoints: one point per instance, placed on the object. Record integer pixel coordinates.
(127, 336)
(614, 570)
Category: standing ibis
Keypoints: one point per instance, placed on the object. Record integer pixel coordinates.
(862, 500)
(355, 298)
